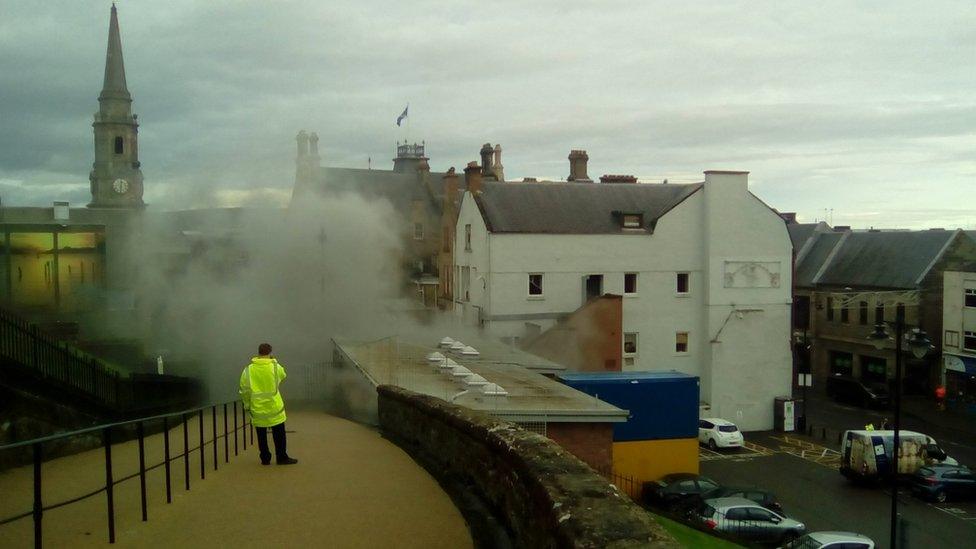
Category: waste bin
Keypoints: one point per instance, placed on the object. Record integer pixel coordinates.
(784, 417)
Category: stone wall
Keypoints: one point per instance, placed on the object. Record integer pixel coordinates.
(544, 496)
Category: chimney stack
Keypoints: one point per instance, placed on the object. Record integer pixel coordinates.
(302, 139)
(472, 177)
(486, 153)
(577, 166)
(496, 166)
(611, 178)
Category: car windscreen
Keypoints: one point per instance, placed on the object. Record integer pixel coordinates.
(878, 388)
(728, 428)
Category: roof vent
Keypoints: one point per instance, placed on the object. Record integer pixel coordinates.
(474, 380)
(469, 351)
(447, 342)
(435, 357)
(460, 372)
(457, 347)
(494, 389)
(448, 365)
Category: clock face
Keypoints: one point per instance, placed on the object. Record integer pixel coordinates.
(120, 186)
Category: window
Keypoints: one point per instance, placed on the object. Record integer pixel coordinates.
(845, 315)
(969, 341)
(830, 308)
(630, 349)
(466, 283)
(971, 297)
(951, 338)
(681, 342)
(900, 312)
(535, 285)
(630, 283)
(467, 237)
(592, 287)
(681, 286)
(757, 513)
(633, 221)
(879, 313)
(863, 312)
(737, 513)
(702, 424)
(418, 231)
(118, 145)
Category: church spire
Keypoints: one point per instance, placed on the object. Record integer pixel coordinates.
(114, 86)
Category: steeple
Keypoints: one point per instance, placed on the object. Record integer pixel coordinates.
(114, 85)
(116, 176)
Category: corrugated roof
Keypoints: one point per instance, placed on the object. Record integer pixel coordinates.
(876, 259)
(575, 208)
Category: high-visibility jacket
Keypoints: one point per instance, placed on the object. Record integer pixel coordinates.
(259, 391)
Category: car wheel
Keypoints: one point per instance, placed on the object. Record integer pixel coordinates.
(940, 496)
(789, 536)
(711, 444)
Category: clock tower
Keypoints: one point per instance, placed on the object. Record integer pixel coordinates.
(116, 180)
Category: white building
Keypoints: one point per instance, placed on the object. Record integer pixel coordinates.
(705, 271)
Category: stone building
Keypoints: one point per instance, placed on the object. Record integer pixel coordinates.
(847, 281)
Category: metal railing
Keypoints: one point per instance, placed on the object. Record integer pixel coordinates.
(55, 361)
(107, 431)
(626, 484)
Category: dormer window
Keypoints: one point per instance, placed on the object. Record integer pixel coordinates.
(632, 220)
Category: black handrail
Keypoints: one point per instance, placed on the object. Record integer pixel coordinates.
(38, 507)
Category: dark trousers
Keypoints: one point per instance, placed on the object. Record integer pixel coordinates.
(278, 433)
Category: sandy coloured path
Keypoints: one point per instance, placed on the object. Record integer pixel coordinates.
(352, 488)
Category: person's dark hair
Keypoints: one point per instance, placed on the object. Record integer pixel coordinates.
(264, 349)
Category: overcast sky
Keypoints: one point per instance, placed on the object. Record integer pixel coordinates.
(868, 108)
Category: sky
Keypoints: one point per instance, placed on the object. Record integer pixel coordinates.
(860, 112)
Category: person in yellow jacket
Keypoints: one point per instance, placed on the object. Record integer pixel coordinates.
(262, 399)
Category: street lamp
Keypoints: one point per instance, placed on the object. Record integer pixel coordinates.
(919, 344)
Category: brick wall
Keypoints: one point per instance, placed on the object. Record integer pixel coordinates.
(590, 442)
(545, 497)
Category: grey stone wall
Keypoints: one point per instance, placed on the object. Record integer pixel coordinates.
(545, 496)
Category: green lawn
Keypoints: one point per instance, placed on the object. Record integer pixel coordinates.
(689, 537)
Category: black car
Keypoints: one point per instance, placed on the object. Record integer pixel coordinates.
(762, 497)
(676, 490)
(857, 392)
(943, 482)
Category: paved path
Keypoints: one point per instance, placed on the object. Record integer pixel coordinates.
(352, 488)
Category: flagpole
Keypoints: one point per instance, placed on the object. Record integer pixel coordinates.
(408, 121)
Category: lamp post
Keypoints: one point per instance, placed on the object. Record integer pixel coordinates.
(919, 344)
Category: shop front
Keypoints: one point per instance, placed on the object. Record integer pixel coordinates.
(960, 382)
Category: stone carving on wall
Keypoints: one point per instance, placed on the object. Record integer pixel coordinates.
(752, 274)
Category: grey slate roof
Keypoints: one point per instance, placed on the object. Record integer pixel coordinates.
(800, 233)
(399, 188)
(575, 208)
(876, 259)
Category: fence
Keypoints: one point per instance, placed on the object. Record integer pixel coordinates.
(55, 362)
(106, 431)
(632, 486)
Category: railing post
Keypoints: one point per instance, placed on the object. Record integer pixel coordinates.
(118, 403)
(109, 483)
(186, 453)
(38, 506)
(169, 490)
(226, 441)
(244, 426)
(203, 454)
(213, 430)
(235, 427)
(142, 470)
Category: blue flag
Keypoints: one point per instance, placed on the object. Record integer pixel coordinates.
(402, 115)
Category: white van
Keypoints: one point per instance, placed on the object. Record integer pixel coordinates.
(868, 455)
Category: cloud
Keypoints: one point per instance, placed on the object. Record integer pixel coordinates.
(831, 105)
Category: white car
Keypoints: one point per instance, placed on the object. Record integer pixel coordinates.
(719, 433)
(831, 540)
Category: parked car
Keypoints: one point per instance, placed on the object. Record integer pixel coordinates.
(747, 520)
(943, 482)
(719, 433)
(831, 540)
(762, 497)
(857, 392)
(671, 491)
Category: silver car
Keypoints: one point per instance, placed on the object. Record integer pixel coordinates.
(831, 540)
(746, 519)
